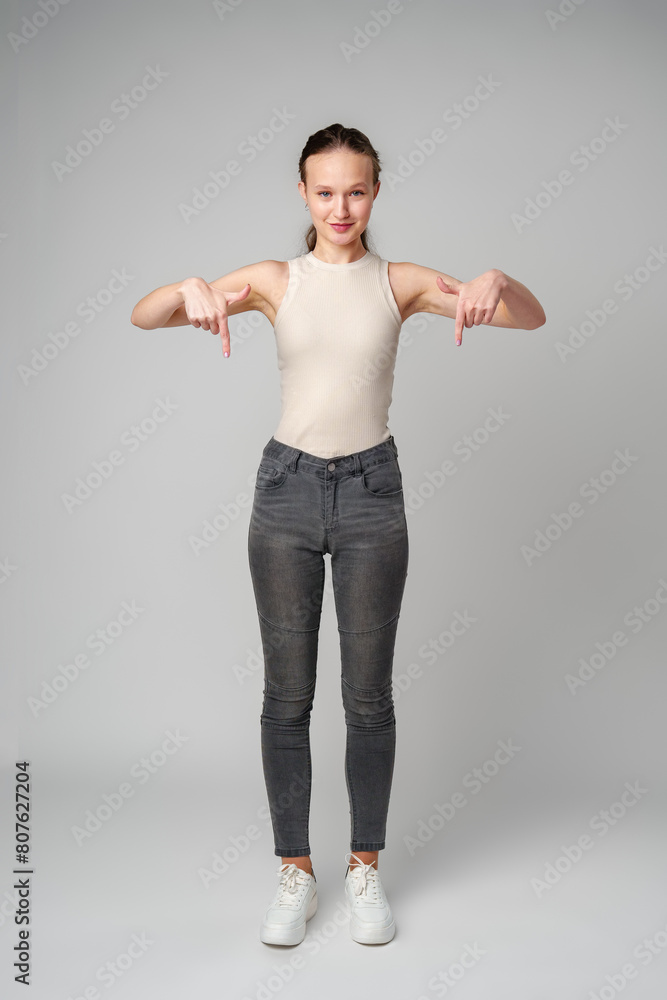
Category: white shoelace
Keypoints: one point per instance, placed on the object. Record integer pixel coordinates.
(293, 881)
(365, 881)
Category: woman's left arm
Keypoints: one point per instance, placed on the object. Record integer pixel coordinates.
(493, 297)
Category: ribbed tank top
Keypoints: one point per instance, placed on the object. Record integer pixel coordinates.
(336, 338)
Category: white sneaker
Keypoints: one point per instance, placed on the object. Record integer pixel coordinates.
(371, 920)
(295, 902)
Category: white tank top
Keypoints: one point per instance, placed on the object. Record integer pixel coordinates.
(336, 338)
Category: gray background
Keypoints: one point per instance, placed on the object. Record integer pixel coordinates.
(176, 667)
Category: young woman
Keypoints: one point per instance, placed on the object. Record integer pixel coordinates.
(329, 482)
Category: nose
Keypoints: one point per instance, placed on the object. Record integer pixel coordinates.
(340, 210)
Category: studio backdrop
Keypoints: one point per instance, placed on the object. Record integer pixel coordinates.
(145, 143)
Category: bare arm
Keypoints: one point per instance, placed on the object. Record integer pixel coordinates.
(158, 308)
(195, 302)
(492, 298)
(522, 309)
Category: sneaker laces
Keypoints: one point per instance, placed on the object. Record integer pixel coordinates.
(366, 881)
(292, 881)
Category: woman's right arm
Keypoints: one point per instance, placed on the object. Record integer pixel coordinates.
(159, 308)
(196, 302)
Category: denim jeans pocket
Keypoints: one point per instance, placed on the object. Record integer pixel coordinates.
(271, 474)
(383, 480)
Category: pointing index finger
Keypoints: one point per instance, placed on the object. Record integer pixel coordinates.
(458, 323)
(224, 336)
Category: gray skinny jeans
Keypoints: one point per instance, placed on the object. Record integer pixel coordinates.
(352, 508)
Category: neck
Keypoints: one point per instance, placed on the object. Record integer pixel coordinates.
(332, 253)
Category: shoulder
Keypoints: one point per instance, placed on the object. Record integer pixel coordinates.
(275, 278)
(268, 271)
(273, 273)
(261, 274)
(407, 282)
(415, 289)
(267, 279)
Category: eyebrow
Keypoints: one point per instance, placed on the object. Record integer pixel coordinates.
(359, 184)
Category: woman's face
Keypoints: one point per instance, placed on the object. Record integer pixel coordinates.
(340, 194)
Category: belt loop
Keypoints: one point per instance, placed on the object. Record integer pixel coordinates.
(295, 461)
(357, 464)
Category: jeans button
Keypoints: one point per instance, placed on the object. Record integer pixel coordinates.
(331, 466)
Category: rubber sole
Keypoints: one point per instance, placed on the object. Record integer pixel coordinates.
(370, 935)
(291, 934)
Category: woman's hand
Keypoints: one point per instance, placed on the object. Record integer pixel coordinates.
(206, 307)
(477, 299)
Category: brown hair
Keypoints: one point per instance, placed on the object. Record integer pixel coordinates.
(337, 137)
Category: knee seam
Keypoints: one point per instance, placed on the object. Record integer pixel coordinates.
(272, 685)
(365, 631)
(284, 628)
(374, 692)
